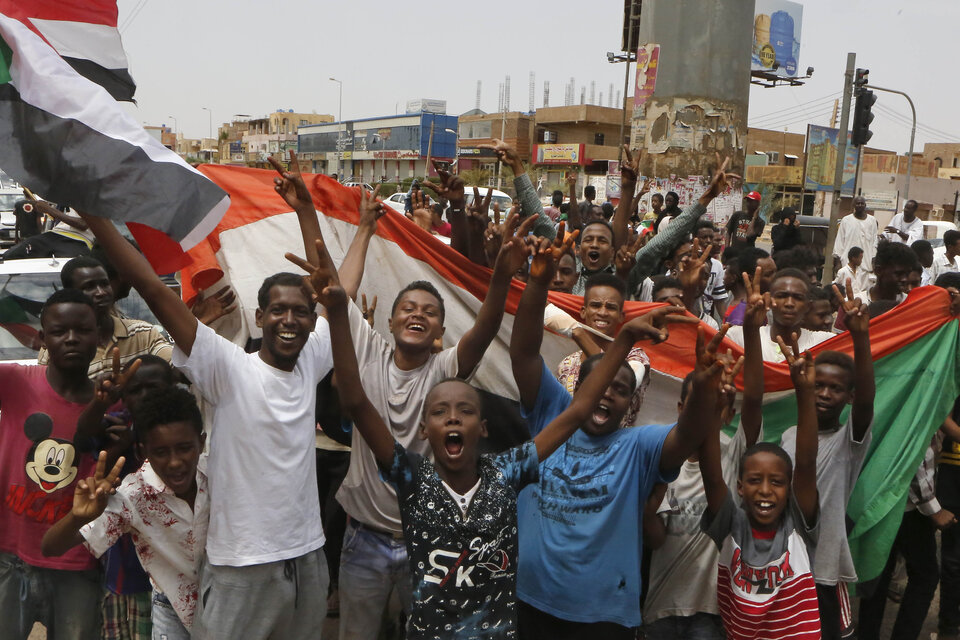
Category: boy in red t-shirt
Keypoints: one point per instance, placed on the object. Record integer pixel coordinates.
(39, 466)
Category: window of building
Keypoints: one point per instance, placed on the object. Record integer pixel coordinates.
(954, 163)
(789, 160)
(473, 130)
(773, 157)
(598, 139)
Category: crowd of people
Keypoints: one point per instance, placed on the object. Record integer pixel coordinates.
(175, 485)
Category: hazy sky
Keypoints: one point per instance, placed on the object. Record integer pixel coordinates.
(247, 57)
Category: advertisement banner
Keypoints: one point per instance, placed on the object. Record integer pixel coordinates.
(776, 37)
(558, 153)
(648, 56)
(822, 161)
(881, 200)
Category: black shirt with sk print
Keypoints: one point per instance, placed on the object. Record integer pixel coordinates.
(464, 566)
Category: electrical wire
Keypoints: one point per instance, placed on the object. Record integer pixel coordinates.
(908, 121)
(787, 114)
(764, 116)
(133, 15)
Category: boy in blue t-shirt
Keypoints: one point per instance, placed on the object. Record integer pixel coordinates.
(582, 523)
(459, 512)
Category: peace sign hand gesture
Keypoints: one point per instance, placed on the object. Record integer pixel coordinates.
(719, 183)
(322, 279)
(371, 207)
(626, 256)
(728, 390)
(802, 371)
(709, 365)
(755, 315)
(290, 184)
(690, 270)
(630, 167)
(91, 494)
(450, 188)
(858, 314)
(108, 387)
(654, 324)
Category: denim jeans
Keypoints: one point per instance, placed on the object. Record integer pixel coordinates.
(916, 541)
(372, 565)
(700, 626)
(67, 603)
(166, 622)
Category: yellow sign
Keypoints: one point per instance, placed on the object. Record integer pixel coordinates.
(347, 155)
(559, 153)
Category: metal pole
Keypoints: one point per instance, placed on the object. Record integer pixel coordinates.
(339, 129)
(913, 134)
(626, 81)
(838, 173)
(426, 169)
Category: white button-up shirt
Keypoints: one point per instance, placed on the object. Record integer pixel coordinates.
(168, 535)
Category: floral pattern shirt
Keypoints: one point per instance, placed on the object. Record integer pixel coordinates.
(569, 372)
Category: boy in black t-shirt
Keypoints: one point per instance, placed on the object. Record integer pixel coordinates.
(459, 512)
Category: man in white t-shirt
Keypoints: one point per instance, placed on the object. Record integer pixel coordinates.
(789, 301)
(397, 375)
(857, 230)
(905, 227)
(949, 260)
(264, 553)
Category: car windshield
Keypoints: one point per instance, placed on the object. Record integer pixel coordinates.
(8, 201)
(504, 202)
(21, 297)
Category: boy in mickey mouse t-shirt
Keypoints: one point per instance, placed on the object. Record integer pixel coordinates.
(39, 466)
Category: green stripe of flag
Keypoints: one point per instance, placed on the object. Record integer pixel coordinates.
(6, 59)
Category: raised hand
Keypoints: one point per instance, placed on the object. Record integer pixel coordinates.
(513, 252)
(371, 207)
(719, 183)
(708, 361)
(450, 188)
(289, 184)
(690, 270)
(322, 279)
(626, 256)
(91, 494)
(421, 214)
(543, 263)
(728, 390)
(654, 324)
(755, 314)
(108, 387)
(630, 167)
(802, 371)
(207, 309)
(858, 314)
(505, 153)
(477, 211)
(366, 311)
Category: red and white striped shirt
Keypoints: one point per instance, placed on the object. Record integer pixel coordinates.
(765, 587)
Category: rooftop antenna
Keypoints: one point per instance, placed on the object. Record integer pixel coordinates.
(533, 91)
(479, 85)
(610, 96)
(583, 95)
(593, 92)
(546, 93)
(506, 94)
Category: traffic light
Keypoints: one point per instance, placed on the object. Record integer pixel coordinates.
(862, 117)
(860, 81)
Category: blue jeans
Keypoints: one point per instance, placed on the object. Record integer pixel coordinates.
(166, 622)
(67, 603)
(700, 626)
(372, 565)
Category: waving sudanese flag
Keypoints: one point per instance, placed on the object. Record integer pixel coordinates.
(68, 140)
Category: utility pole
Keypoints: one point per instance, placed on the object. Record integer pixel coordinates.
(426, 169)
(626, 79)
(913, 134)
(838, 173)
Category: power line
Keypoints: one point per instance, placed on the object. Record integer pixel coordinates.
(133, 15)
(805, 118)
(797, 107)
(908, 122)
(794, 118)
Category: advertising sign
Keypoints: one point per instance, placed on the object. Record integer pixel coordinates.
(822, 161)
(648, 56)
(558, 153)
(881, 200)
(776, 37)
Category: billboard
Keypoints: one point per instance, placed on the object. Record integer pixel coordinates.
(558, 153)
(822, 161)
(776, 37)
(648, 57)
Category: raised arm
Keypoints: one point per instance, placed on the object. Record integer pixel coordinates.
(803, 374)
(170, 310)
(698, 414)
(751, 412)
(710, 452)
(527, 335)
(629, 169)
(289, 184)
(353, 399)
(527, 195)
(89, 501)
(657, 249)
(651, 326)
(574, 223)
(351, 269)
(858, 323)
(512, 255)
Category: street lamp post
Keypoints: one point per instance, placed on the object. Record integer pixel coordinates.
(913, 133)
(210, 123)
(175, 137)
(340, 127)
(456, 149)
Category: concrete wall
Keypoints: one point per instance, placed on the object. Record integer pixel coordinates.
(700, 102)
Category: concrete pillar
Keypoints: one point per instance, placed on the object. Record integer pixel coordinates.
(702, 90)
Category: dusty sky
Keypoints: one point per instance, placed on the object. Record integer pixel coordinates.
(252, 57)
